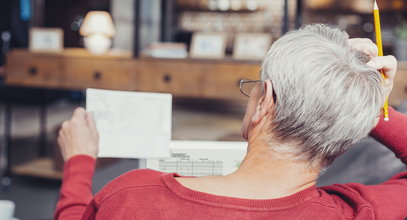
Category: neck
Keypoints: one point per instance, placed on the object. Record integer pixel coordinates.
(263, 168)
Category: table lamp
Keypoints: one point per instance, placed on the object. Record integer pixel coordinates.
(97, 29)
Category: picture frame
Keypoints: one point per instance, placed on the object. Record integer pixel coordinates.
(208, 45)
(251, 46)
(46, 40)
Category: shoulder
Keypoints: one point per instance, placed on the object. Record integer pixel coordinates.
(347, 199)
(132, 179)
(384, 201)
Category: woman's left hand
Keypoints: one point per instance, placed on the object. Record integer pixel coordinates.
(79, 135)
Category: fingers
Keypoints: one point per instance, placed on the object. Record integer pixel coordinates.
(387, 63)
(62, 138)
(364, 45)
(79, 111)
(91, 122)
(79, 115)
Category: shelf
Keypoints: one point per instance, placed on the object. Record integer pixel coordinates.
(221, 11)
(227, 59)
(42, 167)
(78, 53)
(45, 168)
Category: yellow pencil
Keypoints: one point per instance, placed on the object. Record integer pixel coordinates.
(379, 43)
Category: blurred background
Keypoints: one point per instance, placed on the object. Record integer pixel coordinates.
(198, 50)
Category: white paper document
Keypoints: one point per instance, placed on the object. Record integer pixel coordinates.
(201, 158)
(131, 124)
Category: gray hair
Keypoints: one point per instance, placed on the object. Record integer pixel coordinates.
(327, 98)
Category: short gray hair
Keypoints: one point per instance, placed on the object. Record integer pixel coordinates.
(327, 98)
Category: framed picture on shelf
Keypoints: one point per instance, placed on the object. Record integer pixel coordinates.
(46, 40)
(251, 46)
(208, 45)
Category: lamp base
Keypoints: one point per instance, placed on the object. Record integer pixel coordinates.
(97, 44)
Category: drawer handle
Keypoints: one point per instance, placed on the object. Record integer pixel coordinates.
(167, 78)
(97, 75)
(33, 71)
(405, 89)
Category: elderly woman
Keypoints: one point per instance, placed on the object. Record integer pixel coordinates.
(318, 95)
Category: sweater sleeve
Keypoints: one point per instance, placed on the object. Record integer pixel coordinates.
(389, 198)
(393, 134)
(76, 190)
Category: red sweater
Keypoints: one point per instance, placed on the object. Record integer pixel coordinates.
(149, 194)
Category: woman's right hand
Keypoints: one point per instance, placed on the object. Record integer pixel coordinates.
(388, 65)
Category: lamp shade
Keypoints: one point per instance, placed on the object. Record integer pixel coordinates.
(97, 22)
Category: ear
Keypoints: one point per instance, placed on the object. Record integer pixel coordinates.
(265, 104)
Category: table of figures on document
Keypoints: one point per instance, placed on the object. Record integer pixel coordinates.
(201, 158)
(188, 167)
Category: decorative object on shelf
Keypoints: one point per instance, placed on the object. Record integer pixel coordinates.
(400, 47)
(251, 46)
(398, 4)
(223, 5)
(5, 41)
(46, 40)
(236, 5)
(166, 50)
(319, 4)
(359, 6)
(208, 45)
(212, 5)
(98, 29)
(252, 5)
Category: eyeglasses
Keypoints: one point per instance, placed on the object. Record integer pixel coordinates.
(246, 86)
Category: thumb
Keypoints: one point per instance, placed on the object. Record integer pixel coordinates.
(79, 115)
(91, 122)
(388, 64)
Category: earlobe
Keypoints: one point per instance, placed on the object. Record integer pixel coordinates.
(256, 116)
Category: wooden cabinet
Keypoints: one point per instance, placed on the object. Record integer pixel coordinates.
(179, 78)
(191, 78)
(101, 73)
(72, 69)
(224, 86)
(34, 71)
(195, 78)
(76, 69)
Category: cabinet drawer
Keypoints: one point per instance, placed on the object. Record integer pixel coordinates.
(34, 71)
(178, 78)
(222, 80)
(97, 73)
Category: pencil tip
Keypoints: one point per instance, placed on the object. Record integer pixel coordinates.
(375, 5)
